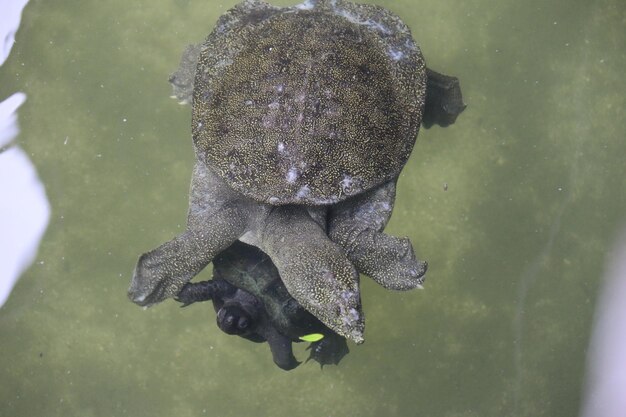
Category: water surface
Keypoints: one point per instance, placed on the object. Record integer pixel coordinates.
(516, 244)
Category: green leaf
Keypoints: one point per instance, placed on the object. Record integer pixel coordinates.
(313, 337)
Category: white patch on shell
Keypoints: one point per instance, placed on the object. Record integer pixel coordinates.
(303, 192)
(269, 120)
(280, 147)
(274, 105)
(223, 63)
(359, 20)
(274, 200)
(410, 45)
(346, 184)
(395, 54)
(292, 175)
(307, 5)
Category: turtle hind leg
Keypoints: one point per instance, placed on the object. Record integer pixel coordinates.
(444, 101)
(357, 225)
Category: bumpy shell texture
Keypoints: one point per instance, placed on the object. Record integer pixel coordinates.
(310, 104)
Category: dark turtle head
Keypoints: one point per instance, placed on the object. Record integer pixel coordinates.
(234, 318)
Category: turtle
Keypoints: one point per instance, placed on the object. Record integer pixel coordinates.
(302, 119)
(266, 312)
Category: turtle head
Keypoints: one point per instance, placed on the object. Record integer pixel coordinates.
(234, 318)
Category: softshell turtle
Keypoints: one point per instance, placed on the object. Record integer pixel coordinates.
(302, 119)
(266, 311)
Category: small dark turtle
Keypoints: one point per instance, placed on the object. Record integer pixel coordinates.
(266, 312)
(302, 119)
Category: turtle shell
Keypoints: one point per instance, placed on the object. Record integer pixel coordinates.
(309, 104)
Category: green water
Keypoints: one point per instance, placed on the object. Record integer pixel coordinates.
(516, 245)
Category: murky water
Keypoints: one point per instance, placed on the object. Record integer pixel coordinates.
(516, 244)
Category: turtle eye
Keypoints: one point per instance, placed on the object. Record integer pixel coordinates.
(243, 323)
(229, 320)
(233, 319)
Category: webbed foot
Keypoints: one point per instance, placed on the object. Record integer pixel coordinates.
(328, 351)
(215, 220)
(395, 266)
(357, 226)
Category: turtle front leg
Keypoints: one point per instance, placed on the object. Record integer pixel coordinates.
(280, 346)
(216, 219)
(193, 292)
(314, 269)
(357, 225)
